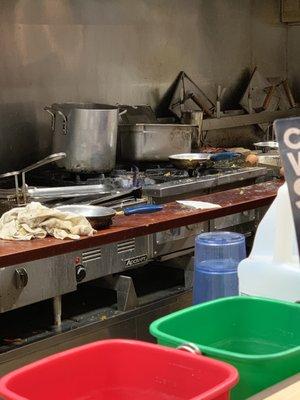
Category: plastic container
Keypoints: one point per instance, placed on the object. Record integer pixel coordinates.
(273, 268)
(217, 255)
(121, 370)
(260, 337)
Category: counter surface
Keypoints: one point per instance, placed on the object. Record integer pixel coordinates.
(126, 227)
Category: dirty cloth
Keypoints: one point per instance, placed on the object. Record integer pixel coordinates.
(199, 205)
(37, 221)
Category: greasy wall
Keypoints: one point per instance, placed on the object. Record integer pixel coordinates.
(124, 51)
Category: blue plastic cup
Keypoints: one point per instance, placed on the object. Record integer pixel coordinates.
(217, 255)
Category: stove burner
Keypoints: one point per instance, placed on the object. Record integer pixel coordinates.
(124, 177)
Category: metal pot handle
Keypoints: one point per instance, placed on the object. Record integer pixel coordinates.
(65, 122)
(189, 347)
(48, 109)
(44, 161)
(122, 112)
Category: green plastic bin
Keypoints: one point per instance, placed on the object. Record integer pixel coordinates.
(260, 337)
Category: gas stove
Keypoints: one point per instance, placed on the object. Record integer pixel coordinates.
(116, 275)
(129, 185)
(157, 183)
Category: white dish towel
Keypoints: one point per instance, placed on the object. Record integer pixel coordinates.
(37, 221)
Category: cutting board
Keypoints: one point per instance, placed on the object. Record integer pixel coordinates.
(288, 389)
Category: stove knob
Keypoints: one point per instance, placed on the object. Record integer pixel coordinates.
(80, 272)
(21, 278)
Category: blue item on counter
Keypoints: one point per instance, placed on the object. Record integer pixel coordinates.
(217, 255)
(142, 209)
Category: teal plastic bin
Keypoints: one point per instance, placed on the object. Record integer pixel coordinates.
(260, 337)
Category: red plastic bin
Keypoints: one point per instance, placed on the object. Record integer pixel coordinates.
(121, 370)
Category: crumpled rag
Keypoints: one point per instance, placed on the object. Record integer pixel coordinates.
(37, 221)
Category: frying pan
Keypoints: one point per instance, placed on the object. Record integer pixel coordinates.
(266, 146)
(101, 217)
(192, 161)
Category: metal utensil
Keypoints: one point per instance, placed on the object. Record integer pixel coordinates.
(141, 209)
(266, 146)
(22, 172)
(192, 161)
(69, 191)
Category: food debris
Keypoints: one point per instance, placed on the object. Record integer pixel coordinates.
(16, 341)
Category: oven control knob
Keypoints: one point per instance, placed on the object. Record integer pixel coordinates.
(21, 278)
(80, 272)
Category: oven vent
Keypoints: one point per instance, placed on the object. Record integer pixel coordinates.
(128, 245)
(91, 255)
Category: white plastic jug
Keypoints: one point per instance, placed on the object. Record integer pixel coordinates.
(272, 270)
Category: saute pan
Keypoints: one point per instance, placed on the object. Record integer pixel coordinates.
(266, 146)
(101, 217)
(192, 161)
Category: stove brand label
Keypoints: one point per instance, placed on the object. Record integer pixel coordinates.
(131, 262)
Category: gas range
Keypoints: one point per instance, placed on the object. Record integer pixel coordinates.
(159, 184)
(111, 273)
(152, 183)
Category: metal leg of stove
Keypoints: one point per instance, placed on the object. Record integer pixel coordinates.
(189, 274)
(185, 263)
(57, 311)
(126, 294)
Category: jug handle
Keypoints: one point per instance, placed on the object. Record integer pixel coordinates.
(48, 109)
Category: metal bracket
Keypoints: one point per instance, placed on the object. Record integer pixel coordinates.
(126, 294)
(185, 263)
(57, 311)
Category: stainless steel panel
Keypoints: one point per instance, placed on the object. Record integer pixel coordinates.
(232, 220)
(153, 142)
(116, 257)
(176, 239)
(124, 255)
(29, 283)
(198, 184)
(132, 325)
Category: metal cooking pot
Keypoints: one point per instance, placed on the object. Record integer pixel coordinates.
(87, 133)
(153, 142)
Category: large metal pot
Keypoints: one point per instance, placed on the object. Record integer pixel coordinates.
(153, 142)
(87, 133)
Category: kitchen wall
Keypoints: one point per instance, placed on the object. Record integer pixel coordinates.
(293, 61)
(127, 51)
